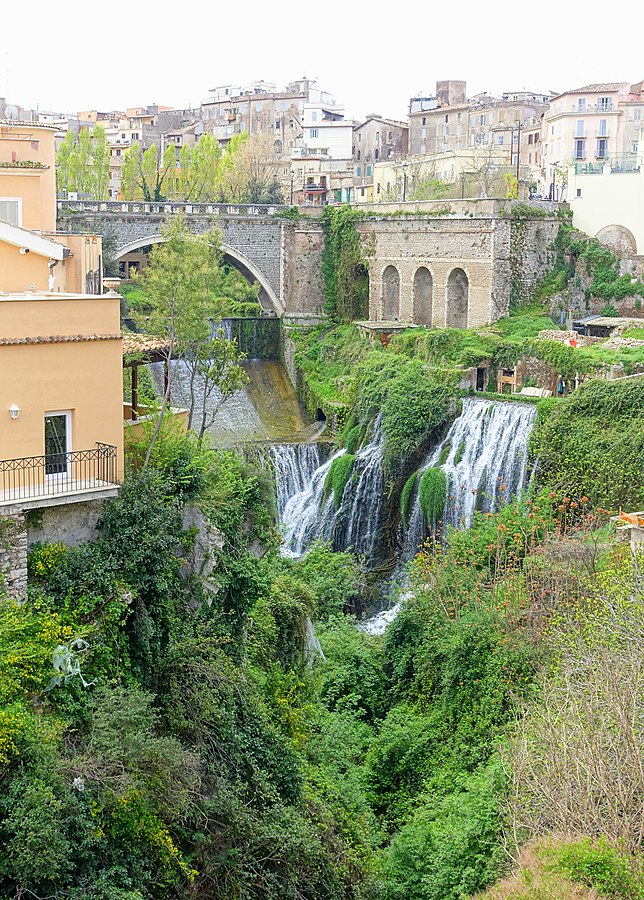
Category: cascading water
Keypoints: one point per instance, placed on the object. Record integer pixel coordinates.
(308, 515)
(358, 521)
(484, 457)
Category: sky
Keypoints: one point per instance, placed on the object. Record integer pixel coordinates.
(372, 57)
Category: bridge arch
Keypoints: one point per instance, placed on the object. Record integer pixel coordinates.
(246, 267)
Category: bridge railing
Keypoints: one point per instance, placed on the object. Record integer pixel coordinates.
(142, 207)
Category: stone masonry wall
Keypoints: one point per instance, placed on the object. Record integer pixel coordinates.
(70, 523)
(13, 556)
(302, 285)
(531, 255)
(504, 259)
(441, 245)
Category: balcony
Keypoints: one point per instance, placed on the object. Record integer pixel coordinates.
(311, 188)
(32, 482)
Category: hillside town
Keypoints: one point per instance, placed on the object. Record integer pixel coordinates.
(322, 497)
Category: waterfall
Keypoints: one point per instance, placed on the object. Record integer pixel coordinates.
(293, 465)
(307, 515)
(359, 518)
(484, 456)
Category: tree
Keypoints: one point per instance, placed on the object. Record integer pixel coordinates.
(183, 288)
(215, 375)
(84, 165)
(250, 169)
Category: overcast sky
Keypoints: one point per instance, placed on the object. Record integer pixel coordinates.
(70, 55)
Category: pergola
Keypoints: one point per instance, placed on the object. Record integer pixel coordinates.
(140, 350)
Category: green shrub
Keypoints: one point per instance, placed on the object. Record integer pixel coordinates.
(600, 866)
(337, 477)
(432, 492)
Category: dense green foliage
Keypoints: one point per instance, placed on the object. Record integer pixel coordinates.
(592, 444)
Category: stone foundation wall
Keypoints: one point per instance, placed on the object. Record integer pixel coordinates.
(13, 556)
(70, 523)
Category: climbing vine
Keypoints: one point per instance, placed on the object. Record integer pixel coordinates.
(344, 269)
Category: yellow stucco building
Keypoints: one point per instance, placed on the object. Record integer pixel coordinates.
(33, 256)
(61, 385)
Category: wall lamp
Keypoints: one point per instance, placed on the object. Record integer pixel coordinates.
(14, 411)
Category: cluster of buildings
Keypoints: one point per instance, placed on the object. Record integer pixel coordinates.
(557, 146)
(551, 143)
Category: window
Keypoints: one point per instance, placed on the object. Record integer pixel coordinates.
(376, 153)
(362, 192)
(423, 121)
(284, 105)
(423, 148)
(314, 115)
(634, 147)
(580, 149)
(314, 132)
(603, 131)
(368, 171)
(637, 114)
(359, 154)
(390, 136)
(481, 120)
(605, 103)
(602, 148)
(359, 171)
(500, 140)
(360, 137)
(579, 192)
(377, 188)
(135, 135)
(447, 118)
(423, 133)
(11, 210)
(580, 128)
(377, 137)
(515, 138)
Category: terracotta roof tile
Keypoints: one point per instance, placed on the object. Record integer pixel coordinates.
(57, 339)
(143, 343)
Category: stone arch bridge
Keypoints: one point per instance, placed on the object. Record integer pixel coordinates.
(446, 264)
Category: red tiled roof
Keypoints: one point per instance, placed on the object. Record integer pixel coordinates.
(57, 339)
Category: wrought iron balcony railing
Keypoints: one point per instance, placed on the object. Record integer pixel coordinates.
(57, 474)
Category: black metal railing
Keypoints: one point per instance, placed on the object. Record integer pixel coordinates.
(57, 474)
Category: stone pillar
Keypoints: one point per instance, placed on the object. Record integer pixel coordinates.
(13, 555)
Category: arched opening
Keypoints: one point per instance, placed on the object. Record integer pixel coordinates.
(423, 296)
(319, 415)
(269, 300)
(390, 294)
(278, 147)
(458, 289)
(618, 239)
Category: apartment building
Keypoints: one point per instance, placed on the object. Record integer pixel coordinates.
(375, 140)
(590, 127)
